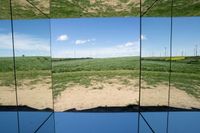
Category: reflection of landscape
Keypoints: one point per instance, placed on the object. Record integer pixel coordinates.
(95, 64)
(82, 83)
(99, 82)
(116, 63)
(7, 85)
(25, 79)
(33, 82)
(184, 83)
(96, 8)
(96, 61)
(89, 71)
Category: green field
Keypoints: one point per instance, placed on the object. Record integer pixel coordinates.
(103, 8)
(26, 68)
(66, 8)
(20, 10)
(69, 72)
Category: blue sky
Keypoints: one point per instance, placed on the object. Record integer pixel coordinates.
(100, 122)
(100, 37)
(186, 34)
(31, 37)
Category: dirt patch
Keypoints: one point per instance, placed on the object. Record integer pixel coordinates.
(115, 93)
(158, 96)
(37, 95)
(7, 95)
(110, 93)
(179, 98)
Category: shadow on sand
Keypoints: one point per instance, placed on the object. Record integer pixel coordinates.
(129, 108)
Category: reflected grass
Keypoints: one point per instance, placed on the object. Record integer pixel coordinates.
(69, 72)
(84, 78)
(85, 8)
(7, 78)
(74, 9)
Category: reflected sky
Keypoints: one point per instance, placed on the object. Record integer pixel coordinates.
(96, 37)
(87, 36)
(96, 122)
(179, 122)
(185, 35)
(31, 37)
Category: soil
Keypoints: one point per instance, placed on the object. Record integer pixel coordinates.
(110, 93)
(116, 94)
(36, 95)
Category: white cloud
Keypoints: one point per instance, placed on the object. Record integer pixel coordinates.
(78, 42)
(24, 42)
(126, 49)
(62, 38)
(129, 44)
(143, 37)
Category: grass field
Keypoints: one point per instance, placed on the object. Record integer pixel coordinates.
(131, 8)
(69, 72)
(83, 71)
(26, 68)
(21, 9)
(91, 8)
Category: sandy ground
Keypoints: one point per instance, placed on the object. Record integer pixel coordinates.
(158, 96)
(7, 95)
(36, 95)
(110, 93)
(118, 94)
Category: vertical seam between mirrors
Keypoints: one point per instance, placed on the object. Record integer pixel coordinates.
(139, 87)
(170, 67)
(140, 80)
(50, 32)
(14, 65)
(50, 52)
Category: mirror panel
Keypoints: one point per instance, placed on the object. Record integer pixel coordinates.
(155, 64)
(7, 79)
(185, 79)
(95, 64)
(33, 65)
(8, 104)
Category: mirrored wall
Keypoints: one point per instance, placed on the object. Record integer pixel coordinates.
(7, 79)
(8, 99)
(26, 88)
(185, 86)
(98, 56)
(96, 64)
